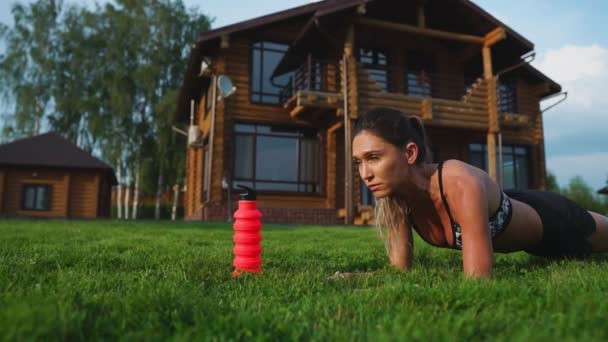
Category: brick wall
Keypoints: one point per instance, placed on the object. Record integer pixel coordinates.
(218, 213)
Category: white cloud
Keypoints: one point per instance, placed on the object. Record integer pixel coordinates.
(582, 71)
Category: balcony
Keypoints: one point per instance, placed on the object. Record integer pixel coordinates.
(313, 90)
(447, 100)
(441, 99)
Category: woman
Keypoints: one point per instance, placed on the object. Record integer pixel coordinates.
(455, 205)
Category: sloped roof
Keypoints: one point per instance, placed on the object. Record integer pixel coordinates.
(192, 84)
(603, 190)
(52, 150)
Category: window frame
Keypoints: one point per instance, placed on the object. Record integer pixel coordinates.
(376, 66)
(261, 94)
(429, 88)
(509, 87)
(318, 185)
(47, 204)
(512, 151)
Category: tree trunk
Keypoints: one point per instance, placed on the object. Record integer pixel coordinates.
(136, 192)
(127, 193)
(175, 198)
(118, 192)
(159, 192)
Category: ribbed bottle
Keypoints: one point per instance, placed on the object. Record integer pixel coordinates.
(247, 235)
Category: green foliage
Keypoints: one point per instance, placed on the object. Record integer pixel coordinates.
(94, 280)
(580, 192)
(552, 182)
(104, 77)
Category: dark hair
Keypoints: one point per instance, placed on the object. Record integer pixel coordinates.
(396, 128)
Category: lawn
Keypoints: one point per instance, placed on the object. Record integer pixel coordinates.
(82, 280)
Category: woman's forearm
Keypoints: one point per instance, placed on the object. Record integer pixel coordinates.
(401, 248)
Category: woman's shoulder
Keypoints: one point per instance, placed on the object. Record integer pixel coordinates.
(461, 176)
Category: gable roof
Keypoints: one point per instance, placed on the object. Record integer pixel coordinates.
(324, 7)
(209, 40)
(52, 150)
(603, 190)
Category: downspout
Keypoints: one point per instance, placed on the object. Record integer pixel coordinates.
(209, 164)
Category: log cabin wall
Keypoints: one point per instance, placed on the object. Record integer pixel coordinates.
(455, 116)
(73, 193)
(83, 194)
(17, 177)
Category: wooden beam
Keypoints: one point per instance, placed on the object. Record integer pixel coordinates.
(297, 110)
(487, 62)
(335, 126)
(495, 36)
(427, 109)
(374, 23)
(491, 139)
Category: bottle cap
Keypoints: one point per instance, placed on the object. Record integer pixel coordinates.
(249, 195)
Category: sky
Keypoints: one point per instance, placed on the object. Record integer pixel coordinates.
(571, 47)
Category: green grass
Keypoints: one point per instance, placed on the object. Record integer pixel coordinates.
(83, 280)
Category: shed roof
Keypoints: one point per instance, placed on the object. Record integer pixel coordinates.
(50, 150)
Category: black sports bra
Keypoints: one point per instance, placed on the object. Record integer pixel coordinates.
(498, 221)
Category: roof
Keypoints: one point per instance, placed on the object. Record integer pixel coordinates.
(50, 150)
(554, 87)
(603, 190)
(207, 41)
(324, 7)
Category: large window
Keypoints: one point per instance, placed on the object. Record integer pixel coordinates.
(265, 56)
(507, 95)
(515, 164)
(419, 74)
(270, 158)
(36, 197)
(376, 62)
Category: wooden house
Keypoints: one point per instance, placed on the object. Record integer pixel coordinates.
(304, 75)
(603, 191)
(48, 176)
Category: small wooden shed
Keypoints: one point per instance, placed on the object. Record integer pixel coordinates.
(48, 176)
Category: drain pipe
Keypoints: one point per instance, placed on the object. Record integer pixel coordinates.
(209, 163)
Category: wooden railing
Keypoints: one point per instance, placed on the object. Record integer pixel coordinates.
(314, 75)
(443, 100)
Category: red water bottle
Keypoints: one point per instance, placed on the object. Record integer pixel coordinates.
(247, 237)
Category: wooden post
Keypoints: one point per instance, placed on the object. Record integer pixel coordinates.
(492, 111)
(487, 62)
(348, 175)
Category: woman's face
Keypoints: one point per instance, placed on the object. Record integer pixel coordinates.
(382, 166)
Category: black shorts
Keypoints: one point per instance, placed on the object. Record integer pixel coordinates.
(566, 226)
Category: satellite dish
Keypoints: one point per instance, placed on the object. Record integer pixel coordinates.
(225, 86)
